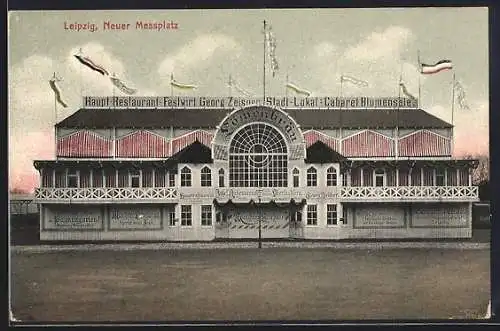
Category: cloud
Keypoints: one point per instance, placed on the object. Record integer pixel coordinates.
(197, 53)
(378, 45)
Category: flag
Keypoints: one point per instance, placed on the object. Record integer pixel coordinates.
(121, 85)
(460, 95)
(405, 91)
(297, 89)
(91, 64)
(57, 92)
(436, 67)
(270, 41)
(181, 86)
(352, 80)
(232, 83)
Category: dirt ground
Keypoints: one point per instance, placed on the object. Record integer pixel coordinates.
(250, 284)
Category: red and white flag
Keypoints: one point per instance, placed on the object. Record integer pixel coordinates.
(441, 65)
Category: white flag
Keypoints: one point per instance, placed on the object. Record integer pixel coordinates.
(53, 85)
(121, 86)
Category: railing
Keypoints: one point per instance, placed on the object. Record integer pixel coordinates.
(409, 193)
(108, 194)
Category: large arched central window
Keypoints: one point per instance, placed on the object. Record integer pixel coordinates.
(258, 157)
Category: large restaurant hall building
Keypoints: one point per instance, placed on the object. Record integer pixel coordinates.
(174, 172)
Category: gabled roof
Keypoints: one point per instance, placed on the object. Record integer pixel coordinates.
(210, 118)
(319, 152)
(193, 153)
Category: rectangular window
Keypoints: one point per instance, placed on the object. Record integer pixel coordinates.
(206, 215)
(221, 179)
(185, 177)
(171, 179)
(186, 215)
(312, 177)
(135, 178)
(159, 178)
(47, 177)
(312, 215)
(206, 177)
(331, 214)
(110, 177)
(440, 175)
(344, 215)
(97, 178)
(85, 178)
(72, 178)
(428, 177)
(147, 178)
(452, 177)
(123, 178)
(171, 218)
(295, 180)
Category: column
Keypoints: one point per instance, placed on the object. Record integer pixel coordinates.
(397, 176)
(362, 175)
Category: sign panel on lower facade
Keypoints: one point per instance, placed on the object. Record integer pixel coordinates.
(379, 217)
(135, 218)
(440, 215)
(73, 218)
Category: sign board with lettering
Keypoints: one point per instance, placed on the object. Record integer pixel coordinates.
(319, 102)
(135, 218)
(284, 194)
(440, 216)
(379, 217)
(73, 218)
(244, 221)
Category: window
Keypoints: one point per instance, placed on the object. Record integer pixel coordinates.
(171, 179)
(72, 178)
(159, 177)
(206, 215)
(344, 215)
(312, 215)
(312, 177)
(135, 178)
(221, 178)
(186, 215)
(295, 175)
(379, 177)
(331, 177)
(258, 157)
(440, 174)
(186, 176)
(344, 179)
(331, 214)
(171, 218)
(206, 177)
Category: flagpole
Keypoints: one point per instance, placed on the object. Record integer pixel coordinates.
(230, 85)
(341, 96)
(286, 87)
(171, 86)
(419, 74)
(264, 64)
(81, 79)
(397, 110)
(453, 99)
(55, 116)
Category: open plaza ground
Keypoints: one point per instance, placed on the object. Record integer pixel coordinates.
(249, 284)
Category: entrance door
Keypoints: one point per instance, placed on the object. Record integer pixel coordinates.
(221, 224)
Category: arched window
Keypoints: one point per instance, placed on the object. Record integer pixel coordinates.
(331, 177)
(221, 177)
(312, 177)
(379, 177)
(258, 157)
(206, 177)
(186, 176)
(296, 177)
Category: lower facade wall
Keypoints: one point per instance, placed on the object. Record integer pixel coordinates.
(141, 222)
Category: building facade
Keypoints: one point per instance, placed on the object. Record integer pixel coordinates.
(175, 173)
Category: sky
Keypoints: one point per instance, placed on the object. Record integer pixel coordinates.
(314, 48)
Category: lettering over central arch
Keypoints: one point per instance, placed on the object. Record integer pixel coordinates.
(275, 117)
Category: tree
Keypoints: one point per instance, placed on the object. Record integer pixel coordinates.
(481, 174)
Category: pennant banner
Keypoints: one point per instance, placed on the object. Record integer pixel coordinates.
(436, 67)
(91, 64)
(405, 91)
(121, 86)
(57, 91)
(297, 89)
(460, 96)
(355, 81)
(181, 86)
(270, 41)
